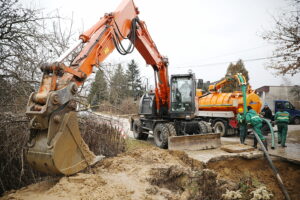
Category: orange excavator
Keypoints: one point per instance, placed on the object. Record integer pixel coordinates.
(55, 144)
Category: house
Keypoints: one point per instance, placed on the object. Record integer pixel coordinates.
(271, 93)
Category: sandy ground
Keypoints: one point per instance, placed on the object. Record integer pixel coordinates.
(147, 172)
(143, 173)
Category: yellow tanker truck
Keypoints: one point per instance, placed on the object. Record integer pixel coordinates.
(221, 108)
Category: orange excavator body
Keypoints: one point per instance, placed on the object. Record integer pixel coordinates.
(55, 145)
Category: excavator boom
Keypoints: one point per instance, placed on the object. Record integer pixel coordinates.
(55, 145)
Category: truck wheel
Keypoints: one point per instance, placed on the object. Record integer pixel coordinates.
(161, 134)
(204, 127)
(171, 128)
(137, 130)
(297, 120)
(220, 127)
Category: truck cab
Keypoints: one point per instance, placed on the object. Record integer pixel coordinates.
(287, 106)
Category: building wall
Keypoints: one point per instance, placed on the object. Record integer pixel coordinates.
(282, 93)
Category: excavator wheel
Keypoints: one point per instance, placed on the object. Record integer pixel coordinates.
(204, 127)
(137, 130)
(171, 128)
(161, 134)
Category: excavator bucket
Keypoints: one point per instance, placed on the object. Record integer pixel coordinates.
(63, 152)
(194, 142)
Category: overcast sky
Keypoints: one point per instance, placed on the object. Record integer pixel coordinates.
(201, 35)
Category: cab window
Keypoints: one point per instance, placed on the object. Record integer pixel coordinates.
(181, 94)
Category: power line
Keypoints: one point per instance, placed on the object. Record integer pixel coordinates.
(245, 60)
(236, 52)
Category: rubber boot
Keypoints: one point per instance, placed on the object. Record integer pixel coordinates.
(255, 142)
(265, 144)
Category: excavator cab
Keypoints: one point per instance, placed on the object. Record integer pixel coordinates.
(182, 95)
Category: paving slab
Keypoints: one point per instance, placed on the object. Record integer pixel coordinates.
(218, 154)
(237, 148)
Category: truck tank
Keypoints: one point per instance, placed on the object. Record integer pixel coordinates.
(217, 101)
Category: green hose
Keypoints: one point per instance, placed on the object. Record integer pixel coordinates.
(272, 132)
(244, 92)
(276, 173)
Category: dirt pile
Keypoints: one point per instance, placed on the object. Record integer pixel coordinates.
(148, 173)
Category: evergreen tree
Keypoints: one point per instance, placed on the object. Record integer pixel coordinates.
(118, 86)
(233, 69)
(98, 91)
(134, 80)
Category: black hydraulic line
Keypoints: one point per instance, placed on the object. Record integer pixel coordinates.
(267, 156)
(206, 94)
(119, 29)
(131, 36)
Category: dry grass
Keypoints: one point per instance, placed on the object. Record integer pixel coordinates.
(100, 135)
(14, 170)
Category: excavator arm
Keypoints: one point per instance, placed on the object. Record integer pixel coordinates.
(241, 80)
(55, 144)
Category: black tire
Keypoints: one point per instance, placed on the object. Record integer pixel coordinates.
(220, 127)
(204, 127)
(138, 131)
(171, 128)
(161, 134)
(297, 120)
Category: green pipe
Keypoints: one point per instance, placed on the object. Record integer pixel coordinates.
(267, 156)
(244, 93)
(272, 133)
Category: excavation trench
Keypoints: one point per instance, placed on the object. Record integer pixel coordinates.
(246, 175)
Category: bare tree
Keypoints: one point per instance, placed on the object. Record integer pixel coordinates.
(295, 91)
(286, 36)
(27, 39)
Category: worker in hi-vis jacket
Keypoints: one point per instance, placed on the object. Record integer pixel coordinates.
(253, 118)
(242, 125)
(282, 119)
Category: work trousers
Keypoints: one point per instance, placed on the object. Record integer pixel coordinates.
(243, 132)
(282, 132)
(257, 129)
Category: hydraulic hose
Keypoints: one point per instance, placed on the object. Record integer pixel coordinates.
(272, 133)
(286, 194)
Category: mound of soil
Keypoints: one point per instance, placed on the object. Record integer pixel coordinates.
(144, 173)
(153, 173)
(246, 175)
